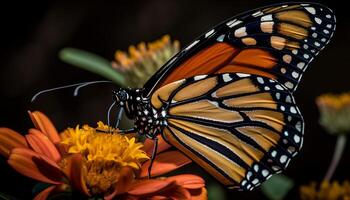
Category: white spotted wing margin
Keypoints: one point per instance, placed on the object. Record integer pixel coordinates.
(240, 128)
(291, 35)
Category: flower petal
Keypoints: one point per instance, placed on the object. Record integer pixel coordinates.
(33, 165)
(162, 145)
(76, 170)
(44, 124)
(188, 181)
(164, 163)
(45, 193)
(10, 139)
(124, 182)
(42, 145)
(199, 194)
(149, 187)
(177, 193)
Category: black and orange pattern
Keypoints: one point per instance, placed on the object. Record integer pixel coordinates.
(226, 99)
(241, 128)
(277, 42)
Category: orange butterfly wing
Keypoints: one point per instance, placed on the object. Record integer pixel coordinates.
(276, 42)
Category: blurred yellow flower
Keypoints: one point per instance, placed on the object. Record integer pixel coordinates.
(143, 60)
(335, 112)
(325, 191)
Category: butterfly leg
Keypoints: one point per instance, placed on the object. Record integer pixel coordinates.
(155, 146)
(128, 131)
(119, 116)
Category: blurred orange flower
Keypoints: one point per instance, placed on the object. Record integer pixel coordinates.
(335, 112)
(140, 62)
(325, 191)
(96, 162)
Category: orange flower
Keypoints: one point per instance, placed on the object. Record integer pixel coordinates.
(36, 155)
(140, 62)
(185, 186)
(46, 156)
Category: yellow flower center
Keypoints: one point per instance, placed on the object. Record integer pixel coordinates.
(105, 152)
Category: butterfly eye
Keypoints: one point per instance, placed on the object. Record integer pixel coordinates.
(121, 95)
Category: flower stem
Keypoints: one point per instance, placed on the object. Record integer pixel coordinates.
(338, 152)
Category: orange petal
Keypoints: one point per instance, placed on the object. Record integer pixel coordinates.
(162, 145)
(164, 163)
(77, 169)
(178, 193)
(124, 182)
(149, 187)
(10, 139)
(188, 181)
(45, 193)
(199, 194)
(33, 165)
(42, 145)
(44, 124)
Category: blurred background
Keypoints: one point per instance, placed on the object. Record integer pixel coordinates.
(33, 33)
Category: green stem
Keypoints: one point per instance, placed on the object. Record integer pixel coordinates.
(338, 152)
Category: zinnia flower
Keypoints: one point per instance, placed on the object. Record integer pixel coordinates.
(335, 112)
(97, 162)
(325, 191)
(37, 155)
(143, 61)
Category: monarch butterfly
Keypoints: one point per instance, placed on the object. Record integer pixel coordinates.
(226, 100)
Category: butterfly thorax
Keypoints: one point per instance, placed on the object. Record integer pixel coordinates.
(148, 121)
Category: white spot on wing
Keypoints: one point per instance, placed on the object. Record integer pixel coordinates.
(266, 18)
(311, 10)
(226, 77)
(318, 20)
(192, 45)
(220, 38)
(301, 65)
(209, 33)
(260, 80)
(296, 139)
(295, 74)
(241, 32)
(257, 14)
(283, 158)
(233, 23)
(289, 85)
(242, 75)
(265, 172)
(199, 77)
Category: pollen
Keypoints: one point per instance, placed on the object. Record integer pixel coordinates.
(105, 153)
(104, 144)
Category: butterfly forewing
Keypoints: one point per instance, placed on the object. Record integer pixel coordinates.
(277, 42)
(241, 128)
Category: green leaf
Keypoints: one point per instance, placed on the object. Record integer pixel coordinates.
(277, 187)
(91, 62)
(216, 192)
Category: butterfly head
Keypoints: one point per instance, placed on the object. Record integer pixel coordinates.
(121, 96)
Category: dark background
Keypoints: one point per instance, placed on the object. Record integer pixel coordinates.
(33, 33)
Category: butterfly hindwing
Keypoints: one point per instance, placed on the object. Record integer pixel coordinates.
(277, 42)
(241, 128)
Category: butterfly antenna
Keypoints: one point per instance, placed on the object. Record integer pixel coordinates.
(76, 91)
